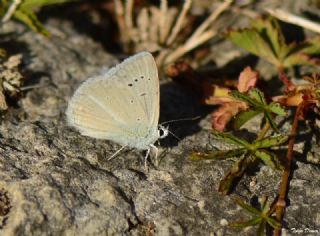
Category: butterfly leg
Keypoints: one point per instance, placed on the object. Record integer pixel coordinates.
(156, 153)
(116, 153)
(146, 158)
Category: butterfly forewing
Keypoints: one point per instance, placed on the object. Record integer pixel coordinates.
(121, 105)
(144, 83)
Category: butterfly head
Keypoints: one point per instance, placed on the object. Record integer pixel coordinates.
(163, 131)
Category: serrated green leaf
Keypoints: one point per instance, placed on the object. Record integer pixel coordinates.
(222, 154)
(312, 46)
(236, 172)
(31, 20)
(270, 141)
(271, 32)
(298, 54)
(229, 138)
(277, 109)
(251, 40)
(299, 59)
(273, 223)
(269, 158)
(248, 207)
(254, 221)
(258, 96)
(245, 116)
(266, 40)
(245, 98)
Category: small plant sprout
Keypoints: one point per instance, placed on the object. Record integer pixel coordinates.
(260, 217)
(247, 155)
(23, 10)
(266, 40)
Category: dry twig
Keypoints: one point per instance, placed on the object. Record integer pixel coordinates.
(294, 19)
(162, 29)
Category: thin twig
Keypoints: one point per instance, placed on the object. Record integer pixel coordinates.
(14, 5)
(185, 48)
(171, 18)
(124, 35)
(294, 19)
(200, 36)
(200, 30)
(128, 14)
(154, 24)
(178, 25)
(163, 20)
(142, 23)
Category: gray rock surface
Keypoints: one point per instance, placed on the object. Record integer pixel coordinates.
(53, 181)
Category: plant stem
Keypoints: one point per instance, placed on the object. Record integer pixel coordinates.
(264, 131)
(284, 186)
(284, 78)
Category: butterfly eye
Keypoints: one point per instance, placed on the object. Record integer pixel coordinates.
(163, 132)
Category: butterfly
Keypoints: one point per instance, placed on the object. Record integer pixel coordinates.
(121, 105)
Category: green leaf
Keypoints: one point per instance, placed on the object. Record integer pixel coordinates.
(247, 207)
(217, 154)
(312, 46)
(271, 32)
(31, 4)
(245, 116)
(256, 99)
(277, 109)
(258, 96)
(25, 14)
(266, 40)
(254, 221)
(270, 142)
(229, 138)
(299, 54)
(252, 41)
(236, 172)
(31, 20)
(245, 98)
(271, 121)
(273, 223)
(260, 217)
(269, 158)
(299, 59)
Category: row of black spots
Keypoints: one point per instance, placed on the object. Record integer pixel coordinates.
(136, 80)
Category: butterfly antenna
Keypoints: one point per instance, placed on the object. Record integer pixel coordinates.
(184, 119)
(174, 135)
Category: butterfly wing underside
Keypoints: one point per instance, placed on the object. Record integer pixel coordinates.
(122, 105)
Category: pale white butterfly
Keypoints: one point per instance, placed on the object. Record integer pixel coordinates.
(121, 105)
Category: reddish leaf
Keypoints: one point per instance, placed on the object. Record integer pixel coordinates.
(219, 96)
(247, 79)
(225, 113)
